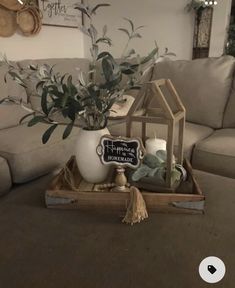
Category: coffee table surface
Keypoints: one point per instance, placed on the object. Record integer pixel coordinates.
(40, 247)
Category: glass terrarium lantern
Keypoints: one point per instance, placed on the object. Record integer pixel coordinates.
(169, 111)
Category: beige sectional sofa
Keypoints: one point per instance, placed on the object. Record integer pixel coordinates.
(207, 89)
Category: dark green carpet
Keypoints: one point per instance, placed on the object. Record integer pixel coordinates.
(49, 248)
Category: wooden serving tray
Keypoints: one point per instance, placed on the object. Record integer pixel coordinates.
(87, 196)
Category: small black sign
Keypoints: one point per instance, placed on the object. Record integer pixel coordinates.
(120, 151)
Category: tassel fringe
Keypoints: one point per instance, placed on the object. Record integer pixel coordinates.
(136, 210)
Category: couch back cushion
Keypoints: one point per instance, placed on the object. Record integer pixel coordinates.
(229, 115)
(10, 114)
(61, 65)
(203, 84)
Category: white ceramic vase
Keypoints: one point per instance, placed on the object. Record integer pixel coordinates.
(89, 164)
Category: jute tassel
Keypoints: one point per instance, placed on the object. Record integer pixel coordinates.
(136, 210)
(68, 178)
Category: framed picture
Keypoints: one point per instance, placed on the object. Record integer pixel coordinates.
(60, 13)
(202, 33)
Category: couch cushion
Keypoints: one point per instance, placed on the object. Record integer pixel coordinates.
(203, 85)
(229, 115)
(216, 154)
(5, 176)
(64, 65)
(28, 158)
(10, 114)
(193, 133)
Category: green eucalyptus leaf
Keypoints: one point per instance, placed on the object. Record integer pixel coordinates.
(110, 104)
(139, 27)
(72, 90)
(141, 172)
(153, 172)
(125, 31)
(131, 24)
(68, 130)
(64, 112)
(71, 112)
(98, 103)
(94, 50)
(44, 101)
(151, 161)
(150, 56)
(62, 78)
(107, 69)
(93, 11)
(56, 93)
(93, 33)
(63, 100)
(69, 80)
(36, 120)
(21, 84)
(104, 40)
(110, 85)
(160, 173)
(105, 29)
(40, 84)
(127, 68)
(104, 54)
(16, 77)
(46, 136)
(105, 122)
(25, 117)
(81, 78)
(83, 10)
(161, 155)
(33, 67)
(65, 88)
(76, 104)
(83, 30)
(175, 175)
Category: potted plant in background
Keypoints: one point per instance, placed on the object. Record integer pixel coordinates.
(86, 104)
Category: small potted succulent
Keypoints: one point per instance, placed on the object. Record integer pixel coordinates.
(86, 104)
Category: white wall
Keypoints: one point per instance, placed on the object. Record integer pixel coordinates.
(50, 42)
(221, 17)
(166, 22)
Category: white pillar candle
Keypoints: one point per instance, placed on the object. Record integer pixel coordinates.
(152, 145)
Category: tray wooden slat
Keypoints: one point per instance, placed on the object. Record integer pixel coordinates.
(86, 198)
